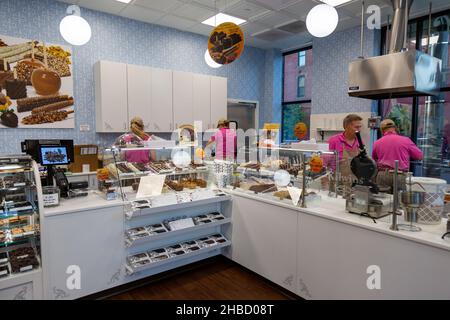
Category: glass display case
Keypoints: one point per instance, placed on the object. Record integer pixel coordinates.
(19, 215)
(280, 173)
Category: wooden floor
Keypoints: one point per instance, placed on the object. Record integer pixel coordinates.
(219, 279)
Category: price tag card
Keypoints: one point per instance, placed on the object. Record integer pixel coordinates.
(27, 268)
(150, 186)
(202, 195)
(181, 224)
(164, 200)
(184, 197)
(295, 194)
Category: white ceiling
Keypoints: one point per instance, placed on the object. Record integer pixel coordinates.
(268, 23)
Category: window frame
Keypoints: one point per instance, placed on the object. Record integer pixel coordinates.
(301, 77)
(299, 101)
(299, 58)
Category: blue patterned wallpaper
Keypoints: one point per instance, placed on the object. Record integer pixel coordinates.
(331, 58)
(128, 41)
(273, 86)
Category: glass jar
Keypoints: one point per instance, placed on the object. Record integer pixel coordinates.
(51, 196)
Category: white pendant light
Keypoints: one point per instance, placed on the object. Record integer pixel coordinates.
(210, 62)
(73, 28)
(322, 20)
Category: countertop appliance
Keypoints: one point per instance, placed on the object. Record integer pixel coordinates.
(365, 198)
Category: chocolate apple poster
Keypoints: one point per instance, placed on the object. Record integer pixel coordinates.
(36, 84)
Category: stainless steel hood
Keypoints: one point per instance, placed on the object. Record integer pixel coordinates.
(401, 73)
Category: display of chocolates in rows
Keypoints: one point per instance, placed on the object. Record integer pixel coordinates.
(155, 229)
(18, 261)
(159, 167)
(14, 181)
(144, 259)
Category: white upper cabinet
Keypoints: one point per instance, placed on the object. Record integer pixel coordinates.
(183, 103)
(111, 96)
(218, 99)
(162, 101)
(140, 94)
(202, 100)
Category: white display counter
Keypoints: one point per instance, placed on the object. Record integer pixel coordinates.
(323, 252)
(320, 252)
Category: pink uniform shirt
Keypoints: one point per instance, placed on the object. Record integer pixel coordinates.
(226, 141)
(393, 146)
(339, 143)
(136, 156)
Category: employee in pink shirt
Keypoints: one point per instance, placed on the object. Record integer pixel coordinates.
(225, 140)
(389, 148)
(346, 144)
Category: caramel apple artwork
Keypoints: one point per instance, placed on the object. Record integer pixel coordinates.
(36, 84)
(44, 80)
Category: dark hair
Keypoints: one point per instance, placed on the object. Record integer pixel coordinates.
(350, 118)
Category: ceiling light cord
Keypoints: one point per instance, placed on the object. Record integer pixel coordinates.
(361, 50)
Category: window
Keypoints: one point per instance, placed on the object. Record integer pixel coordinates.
(425, 119)
(296, 106)
(301, 86)
(302, 58)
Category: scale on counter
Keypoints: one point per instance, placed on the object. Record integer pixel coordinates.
(366, 198)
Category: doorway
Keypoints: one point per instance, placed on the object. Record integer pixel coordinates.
(245, 113)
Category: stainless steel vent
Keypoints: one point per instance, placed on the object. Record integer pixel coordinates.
(401, 73)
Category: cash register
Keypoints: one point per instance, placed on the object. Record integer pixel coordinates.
(52, 153)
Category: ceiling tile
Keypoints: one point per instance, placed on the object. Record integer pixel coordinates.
(160, 5)
(194, 12)
(216, 5)
(274, 19)
(246, 10)
(300, 9)
(276, 4)
(272, 35)
(202, 29)
(251, 28)
(113, 7)
(253, 42)
(294, 27)
(141, 14)
(69, 1)
(176, 22)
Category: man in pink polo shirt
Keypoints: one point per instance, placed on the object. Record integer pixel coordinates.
(389, 148)
(393, 146)
(346, 142)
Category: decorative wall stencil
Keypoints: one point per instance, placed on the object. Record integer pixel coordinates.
(115, 277)
(36, 84)
(288, 281)
(226, 43)
(303, 289)
(21, 295)
(59, 293)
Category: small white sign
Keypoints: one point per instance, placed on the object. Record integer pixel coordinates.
(164, 200)
(181, 224)
(27, 268)
(184, 197)
(150, 186)
(295, 194)
(202, 195)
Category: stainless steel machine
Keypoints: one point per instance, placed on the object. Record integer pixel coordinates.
(365, 198)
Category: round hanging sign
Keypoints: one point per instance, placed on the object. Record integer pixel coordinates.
(226, 43)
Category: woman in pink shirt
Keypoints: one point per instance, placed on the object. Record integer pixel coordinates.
(225, 140)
